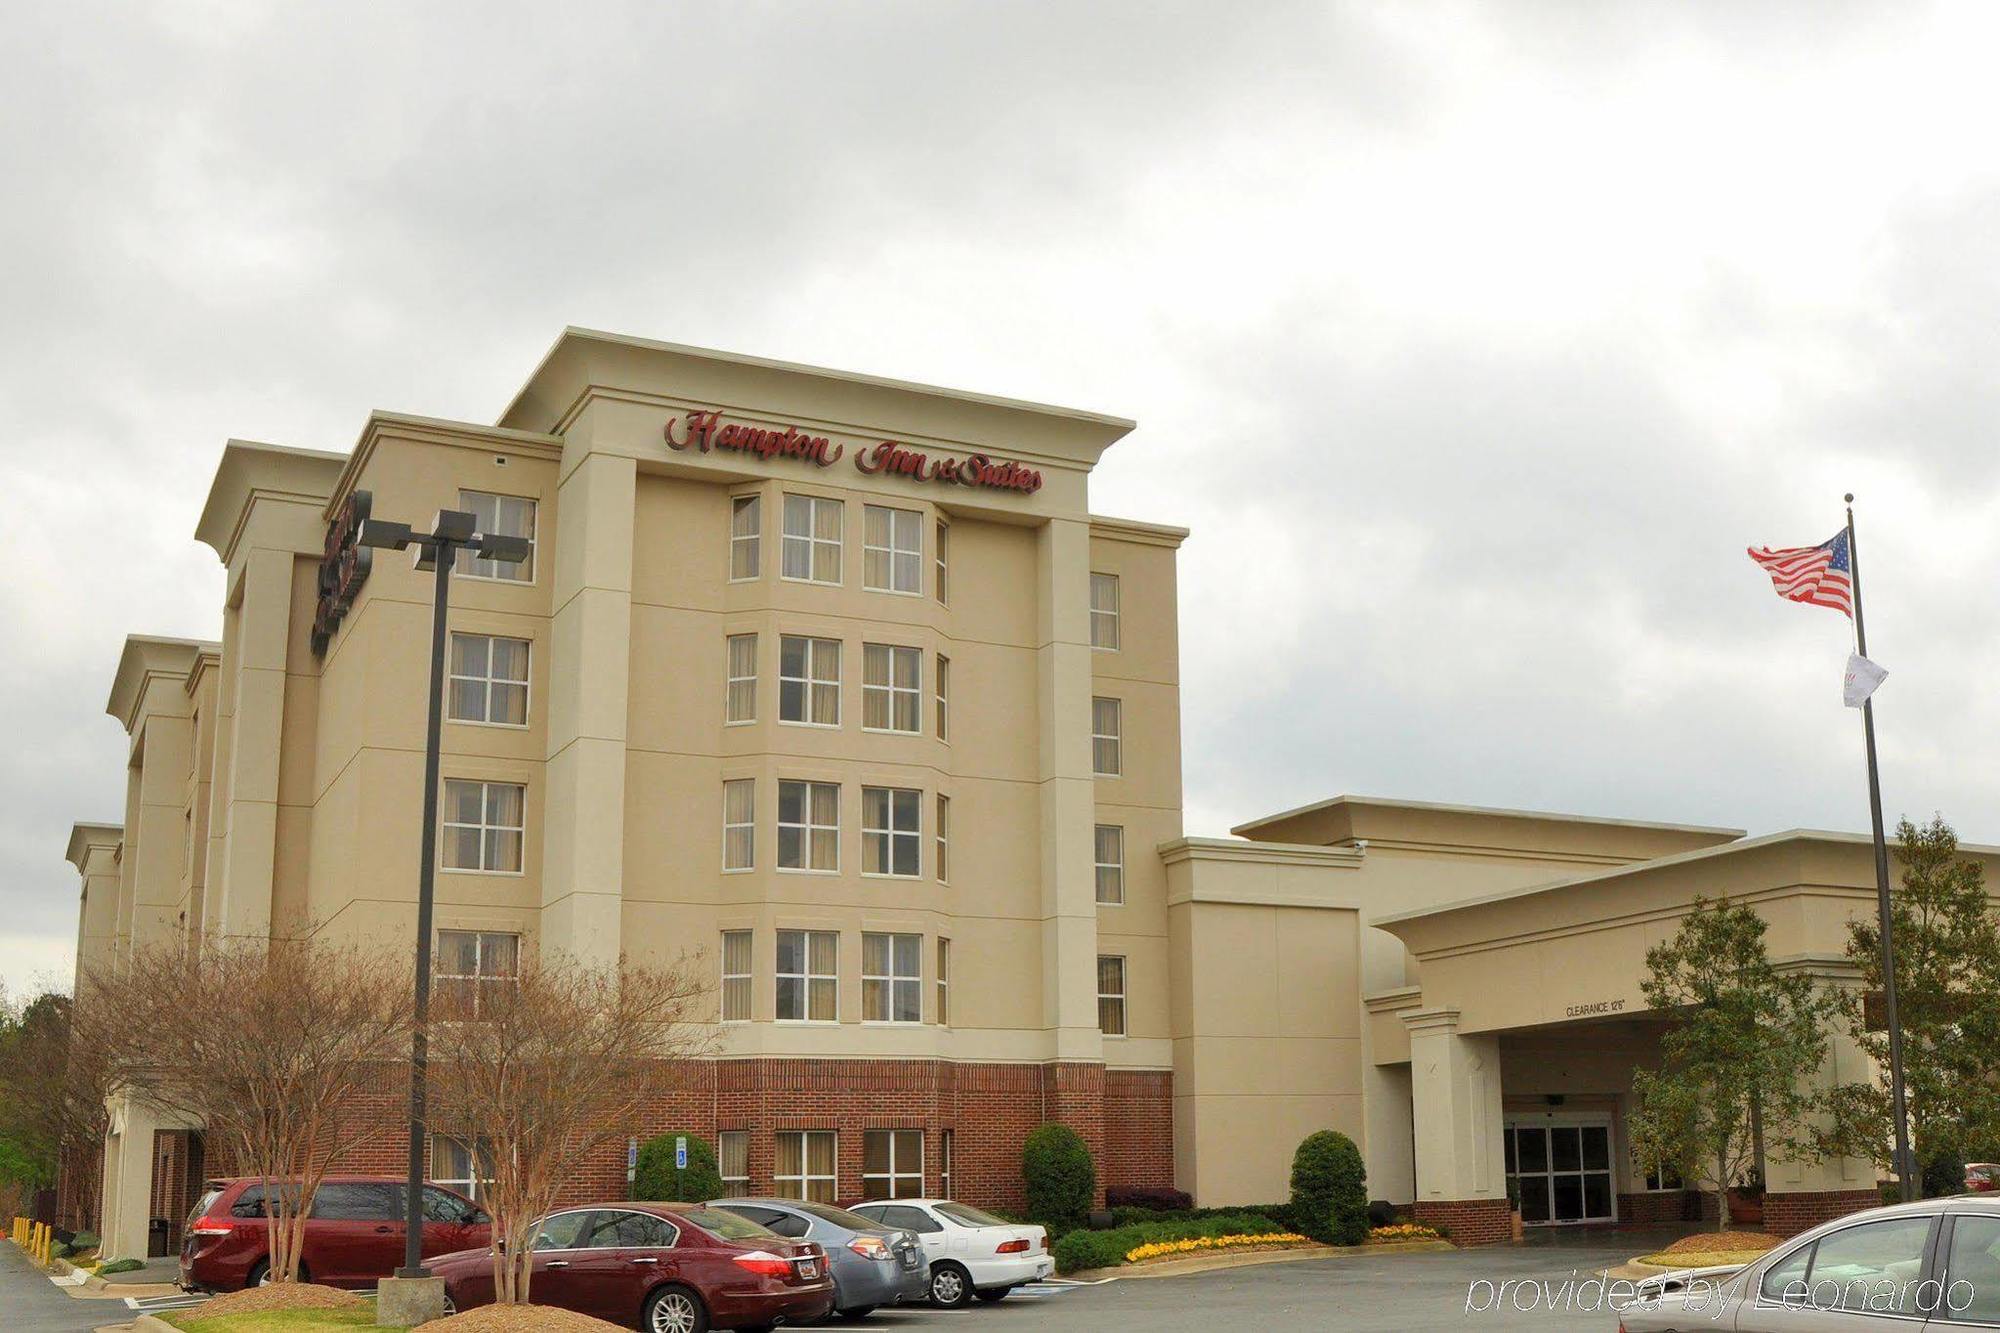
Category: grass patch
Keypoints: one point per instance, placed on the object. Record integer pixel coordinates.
(272, 1321)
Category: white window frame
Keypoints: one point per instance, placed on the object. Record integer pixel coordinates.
(730, 826)
(751, 541)
(1124, 988)
(891, 654)
(807, 828)
(747, 978)
(892, 834)
(942, 688)
(1115, 738)
(471, 565)
(817, 651)
(942, 561)
(733, 1184)
(478, 976)
(894, 981)
(478, 1157)
(896, 1173)
(806, 1178)
(899, 530)
(488, 680)
(943, 1015)
(944, 1162)
(811, 542)
(1116, 867)
(731, 680)
(1106, 622)
(941, 852)
(807, 978)
(446, 823)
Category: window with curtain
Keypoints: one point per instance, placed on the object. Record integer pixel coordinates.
(808, 976)
(812, 542)
(468, 967)
(809, 826)
(485, 825)
(892, 983)
(943, 697)
(892, 1163)
(735, 976)
(809, 681)
(944, 1163)
(739, 824)
(1104, 611)
(943, 559)
(462, 1166)
(943, 856)
(943, 982)
(891, 831)
(488, 680)
(1111, 996)
(892, 549)
(732, 1160)
(499, 516)
(1110, 864)
(891, 688)
(803, 1165)
(1107, 737)
(740, 700)
(746, 536)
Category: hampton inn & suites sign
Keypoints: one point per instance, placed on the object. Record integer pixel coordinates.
(707, 431)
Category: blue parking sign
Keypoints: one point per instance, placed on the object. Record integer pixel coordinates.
(681, 1153)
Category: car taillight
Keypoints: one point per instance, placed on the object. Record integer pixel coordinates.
(870, 1247)
(211, 1229)
(1012, 1247)
(765, 1263)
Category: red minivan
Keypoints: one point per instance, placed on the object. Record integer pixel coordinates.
(660, 1267)
(353, 1237)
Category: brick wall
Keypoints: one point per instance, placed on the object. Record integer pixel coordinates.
(1138, 1128)
(1657, 1206)
(1469, 1221)
(1789, 1214)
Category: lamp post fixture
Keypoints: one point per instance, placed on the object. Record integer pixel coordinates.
(451, 531)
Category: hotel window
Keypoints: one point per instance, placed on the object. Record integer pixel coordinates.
(499, 516)
(803, 1168)
(809, 681)
(740, 702)
(746, 537)
(465, 1167)
(472, 966)
(809, 826)
(489, 680)
(944, 1163)
(1111, 996)
(735, 976)
(943, 860)
(485, 824)
(892, 549)
(943, 697)
(1660, 1176)
(812, 539)
(943, 560)
(943, 982)
(891, 831)
(892, 688)
(1107, 737)
(892, 1163)
(892, 983)
(732, 1160)
(1104, 611)
(739, 824)
(1110, 864)
(808, 976)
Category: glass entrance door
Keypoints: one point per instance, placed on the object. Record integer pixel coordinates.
(1562, 1171)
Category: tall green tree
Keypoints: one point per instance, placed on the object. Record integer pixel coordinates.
(1947, 943)
(1742, 1043)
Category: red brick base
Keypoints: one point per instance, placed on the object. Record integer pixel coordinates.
(1652, 1207)
(1467, 1221)
(1789, 1214)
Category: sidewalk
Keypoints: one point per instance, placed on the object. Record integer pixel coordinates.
(33, 1304)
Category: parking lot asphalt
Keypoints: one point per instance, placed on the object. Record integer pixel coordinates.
(30, 1303)
(1457, 1290)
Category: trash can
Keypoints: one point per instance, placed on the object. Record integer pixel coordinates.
(157, 1233)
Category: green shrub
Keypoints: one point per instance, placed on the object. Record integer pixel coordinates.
(1330, 1189)
(1942, 1173)
(1056, 1169)
(85, 1240)
(656, 1178)
(1279, 1213)
(1079, 1250)
(120, 1266)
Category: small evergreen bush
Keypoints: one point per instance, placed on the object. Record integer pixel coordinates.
(1330, 1189)
(656, 1179)
(1060, 1179)
(1079, 1250)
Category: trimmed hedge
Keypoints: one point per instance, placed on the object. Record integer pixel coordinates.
(1060, 1179)
(656, 1180)
(1107, 1249)
(1147, 1196)
(1330, 1189)
(1278, 1213)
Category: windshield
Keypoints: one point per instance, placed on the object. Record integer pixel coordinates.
(840, 1217)
(966, 1215)
(723, 1223)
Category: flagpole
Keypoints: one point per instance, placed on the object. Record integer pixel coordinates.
(1905, 1164)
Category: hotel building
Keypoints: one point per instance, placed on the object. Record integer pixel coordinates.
(838, 682)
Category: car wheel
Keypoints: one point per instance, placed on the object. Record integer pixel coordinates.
(450, 1305)
(951, 1286)
(990, 1294)
(856, 1312)
(675, 1310)
(260, 1274)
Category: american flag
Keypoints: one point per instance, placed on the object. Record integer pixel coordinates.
(1821, 575)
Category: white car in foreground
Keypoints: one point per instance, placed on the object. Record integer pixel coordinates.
(972, 1252)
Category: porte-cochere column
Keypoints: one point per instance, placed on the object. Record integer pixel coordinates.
(1455, 1103)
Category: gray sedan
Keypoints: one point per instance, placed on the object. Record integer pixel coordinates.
(872, 1264)
(1933, 1265)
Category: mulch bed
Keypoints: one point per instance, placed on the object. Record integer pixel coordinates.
(1722, 1242)
(278, 1296)
(521, 1319)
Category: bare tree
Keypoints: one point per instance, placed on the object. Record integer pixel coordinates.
(268, 1047)
(52, 1094)
(537, 1071)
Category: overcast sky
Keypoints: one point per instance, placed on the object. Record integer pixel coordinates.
(1475, 343)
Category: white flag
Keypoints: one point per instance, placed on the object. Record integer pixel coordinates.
(1862, 678)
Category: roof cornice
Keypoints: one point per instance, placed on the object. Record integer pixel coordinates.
(144, 659)
(250, 471)
(84, 837)
(1132, 530)
(383, 425)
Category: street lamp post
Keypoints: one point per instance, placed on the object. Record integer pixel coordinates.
(451, 531)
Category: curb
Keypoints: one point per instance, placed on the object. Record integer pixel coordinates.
(146, 1323)
(1212, 1263)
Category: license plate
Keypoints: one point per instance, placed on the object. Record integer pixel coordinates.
(808, 1268)
(909, 1258)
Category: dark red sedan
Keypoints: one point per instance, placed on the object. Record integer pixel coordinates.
(659, 1267)
(353, 1236)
